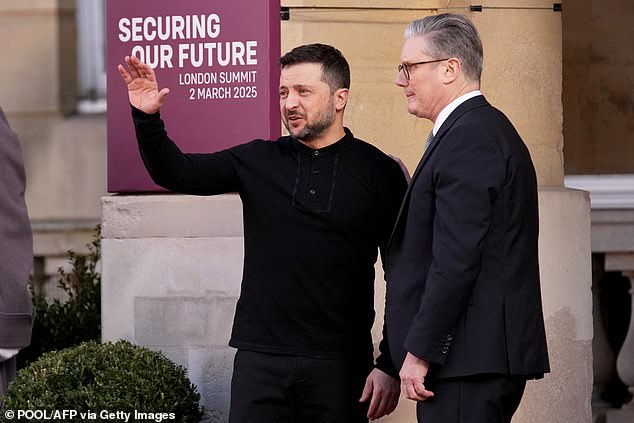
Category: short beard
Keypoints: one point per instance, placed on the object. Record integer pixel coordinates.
(314, 130)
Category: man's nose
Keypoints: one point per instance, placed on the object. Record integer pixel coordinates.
(292, 101)
(400, 79)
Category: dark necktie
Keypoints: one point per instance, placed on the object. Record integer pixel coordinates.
(430, 138)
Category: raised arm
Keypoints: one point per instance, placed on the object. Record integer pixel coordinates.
(143, 90)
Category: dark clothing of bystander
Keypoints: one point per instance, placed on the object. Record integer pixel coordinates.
(16, 253)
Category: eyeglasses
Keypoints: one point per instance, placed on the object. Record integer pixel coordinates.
(404, 67)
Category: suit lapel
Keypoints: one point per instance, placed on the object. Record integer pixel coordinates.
(470, 104)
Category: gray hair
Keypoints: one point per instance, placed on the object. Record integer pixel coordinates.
(450, 35)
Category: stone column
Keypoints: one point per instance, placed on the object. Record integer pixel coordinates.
(625, 359)
(603, 356)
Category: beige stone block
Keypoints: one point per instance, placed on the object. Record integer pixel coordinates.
(201, 320)
(564, 394)
(565, 256)
(522, 77)
(171, 215)
(65, 160)
(39, 37)
(30, 77)
(178, 267)
(210, 369)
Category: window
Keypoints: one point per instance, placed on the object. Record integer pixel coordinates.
(91, 55)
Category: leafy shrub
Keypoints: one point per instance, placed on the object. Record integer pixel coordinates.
(63, 324)
(93, 377)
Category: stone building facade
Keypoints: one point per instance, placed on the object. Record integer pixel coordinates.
(551, 72)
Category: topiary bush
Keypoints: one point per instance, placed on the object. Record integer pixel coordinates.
(111, 377)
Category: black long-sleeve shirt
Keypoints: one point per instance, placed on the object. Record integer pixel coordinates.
(313, 220)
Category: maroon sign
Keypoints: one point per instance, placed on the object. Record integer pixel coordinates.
(218, 58)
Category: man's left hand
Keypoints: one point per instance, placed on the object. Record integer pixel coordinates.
(412, 375)
(384, 391)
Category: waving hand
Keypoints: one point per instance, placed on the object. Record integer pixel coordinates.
(143, 90)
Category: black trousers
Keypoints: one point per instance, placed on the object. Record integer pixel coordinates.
(472, 399)
(270, 388)
(7, 374)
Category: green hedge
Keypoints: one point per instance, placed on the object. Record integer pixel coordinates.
(93, 377)
(63, 324)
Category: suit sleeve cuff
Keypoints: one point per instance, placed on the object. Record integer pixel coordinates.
(435, 352)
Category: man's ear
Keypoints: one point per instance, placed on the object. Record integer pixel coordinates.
(341, 98)
(451, 69)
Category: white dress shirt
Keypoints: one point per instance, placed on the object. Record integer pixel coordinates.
(444, 113)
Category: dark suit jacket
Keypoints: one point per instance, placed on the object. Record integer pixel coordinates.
(462, 267)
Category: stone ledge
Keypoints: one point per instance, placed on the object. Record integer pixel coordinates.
(171, 216)
(606, 191)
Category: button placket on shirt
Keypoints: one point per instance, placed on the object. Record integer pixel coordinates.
(313, 191)
(315, 183)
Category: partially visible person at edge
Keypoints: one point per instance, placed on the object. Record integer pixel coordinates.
(318, 205)
(16, 255)
(464, 310)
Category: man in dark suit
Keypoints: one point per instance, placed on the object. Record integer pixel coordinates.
(464, 312)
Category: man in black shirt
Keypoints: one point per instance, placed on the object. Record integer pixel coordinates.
(317, 204)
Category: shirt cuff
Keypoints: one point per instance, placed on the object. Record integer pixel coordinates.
(7, 353)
